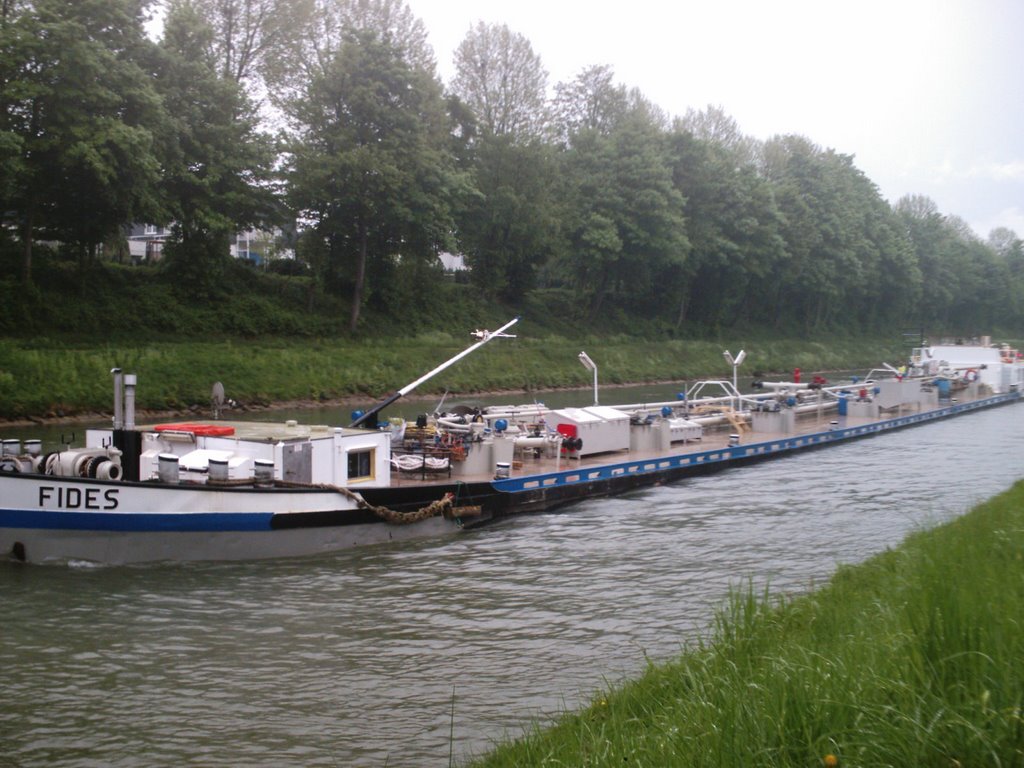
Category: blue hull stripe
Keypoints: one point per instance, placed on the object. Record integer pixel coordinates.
(135, 522)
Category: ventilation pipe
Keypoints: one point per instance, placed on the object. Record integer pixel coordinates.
(118, 398)
(125, 438)
(130, 380)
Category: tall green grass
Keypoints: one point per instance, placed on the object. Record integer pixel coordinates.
(44, 377)
(914, 658)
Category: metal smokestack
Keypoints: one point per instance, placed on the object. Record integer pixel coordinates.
(118, 398)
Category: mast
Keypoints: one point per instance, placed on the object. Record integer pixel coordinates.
(484, 337)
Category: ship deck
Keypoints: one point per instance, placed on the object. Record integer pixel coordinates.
(714, 438)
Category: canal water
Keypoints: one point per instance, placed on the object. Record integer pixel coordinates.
(420, 653)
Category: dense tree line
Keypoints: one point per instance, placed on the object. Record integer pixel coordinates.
(583, 196)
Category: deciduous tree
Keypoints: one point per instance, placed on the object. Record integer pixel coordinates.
(625, 223)
(216, 164)
(732, 224)
(247, 35)
(512, 225)
(502, 80)
(322, 29)
(371, 166)
(78, 112)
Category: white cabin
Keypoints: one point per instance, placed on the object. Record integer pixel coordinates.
(998, 368)
(298, 453)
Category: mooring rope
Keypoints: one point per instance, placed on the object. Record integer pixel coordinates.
(443, 507)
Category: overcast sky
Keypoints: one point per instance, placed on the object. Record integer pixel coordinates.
(928, 95)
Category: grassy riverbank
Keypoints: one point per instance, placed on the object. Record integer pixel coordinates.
(914, 658)
(41, 378)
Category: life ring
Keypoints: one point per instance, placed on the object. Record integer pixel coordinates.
(971, 374)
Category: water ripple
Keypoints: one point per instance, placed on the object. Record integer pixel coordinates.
(361, 658)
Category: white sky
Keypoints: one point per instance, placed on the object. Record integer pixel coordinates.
(928, 95)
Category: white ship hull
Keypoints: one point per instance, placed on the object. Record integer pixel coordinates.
(52, 519)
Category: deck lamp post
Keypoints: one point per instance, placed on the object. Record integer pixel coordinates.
(590, 365)
(735, 363)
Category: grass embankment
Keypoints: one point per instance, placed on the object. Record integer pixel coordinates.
(914, 658)
(45, 378)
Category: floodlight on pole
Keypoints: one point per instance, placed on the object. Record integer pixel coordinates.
(735, 362)
(590, 365)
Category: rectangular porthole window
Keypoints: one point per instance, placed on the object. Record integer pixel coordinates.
(360, 465)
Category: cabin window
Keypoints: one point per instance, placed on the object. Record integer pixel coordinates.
(360, 465)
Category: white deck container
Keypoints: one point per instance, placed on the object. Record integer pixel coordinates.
(602, 429)
(684, 430)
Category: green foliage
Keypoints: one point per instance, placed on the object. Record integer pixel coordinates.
(266, 348)
(733, 229)
(372, 169)
(913, 658)
(79, 109)
(113, 302)
(626, 219)
(501, 79)
(625, 227)
(511, 227)
(215, 164)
